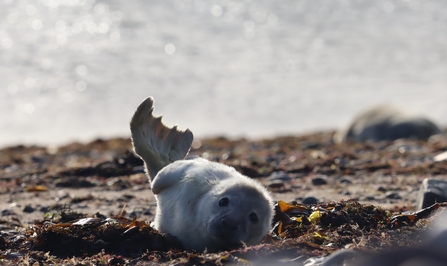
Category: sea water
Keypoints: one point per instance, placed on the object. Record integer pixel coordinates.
(77, 69)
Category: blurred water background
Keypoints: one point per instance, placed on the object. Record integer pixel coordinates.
(77, 69)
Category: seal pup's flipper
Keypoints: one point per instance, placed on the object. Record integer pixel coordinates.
(157, 144)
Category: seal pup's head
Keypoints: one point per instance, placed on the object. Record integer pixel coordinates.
(212, 206)
(238, 213)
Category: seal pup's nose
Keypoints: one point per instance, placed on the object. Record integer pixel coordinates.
(229, 225)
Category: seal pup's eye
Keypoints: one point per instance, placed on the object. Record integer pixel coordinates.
(224, 202)
(253, 217)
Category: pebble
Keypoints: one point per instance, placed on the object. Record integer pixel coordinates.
(139, 170)
(139, 212)
(38, 159)
(381, 189)
(73, 182)
(7, 212)
(345, 192)
(319, 180)
(392, 195)
(61, 194)
(441, 157)
(128, 196)
(310, 200)
(368, 198)
(138, 188)
(87, 221)
(116, 261)
(44, 209)
(28, 209)
(282, 176)
(345, 181)
(275, 184)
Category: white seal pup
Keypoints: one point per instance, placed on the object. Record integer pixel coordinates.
(206, 205)
(386, 122)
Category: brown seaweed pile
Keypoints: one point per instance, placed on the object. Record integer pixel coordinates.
(299, 232)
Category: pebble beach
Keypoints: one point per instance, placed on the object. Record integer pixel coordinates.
(45, 187)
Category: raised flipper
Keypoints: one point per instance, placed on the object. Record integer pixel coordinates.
(157, 144)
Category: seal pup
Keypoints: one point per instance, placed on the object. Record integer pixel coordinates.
(386, 122)
(206, 205)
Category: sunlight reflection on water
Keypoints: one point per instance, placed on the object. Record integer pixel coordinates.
(76, 69)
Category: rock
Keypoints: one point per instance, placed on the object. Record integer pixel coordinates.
(432, 190)
(275, 184)
(369, 198)
(387, 122)
(7, 212)
(3, 243)
(281, 176)
(73, 182)
(392, 195)
(118, 184)
(139, 170)
(38, 159)
(441, 157)
(381, 189)
(44, 209)
(249, 171)
(139, 212)
(319, 180)
(345, 181)
(116, 260)
(310, 200)
(28, 209)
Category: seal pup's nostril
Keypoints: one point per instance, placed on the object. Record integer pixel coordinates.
(229, 225)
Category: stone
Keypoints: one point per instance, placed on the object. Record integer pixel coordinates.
(44, 209)
(275, 184)
(7, 212)
(310, 200)
(281, 176)
(369, 198)
(392, 195)
(381, 189)
(139, 170)
(345, 181)
(28, 209)
(441, 157)
(432, 190)
(319, 180)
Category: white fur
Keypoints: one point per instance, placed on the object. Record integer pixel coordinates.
(190, 193)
